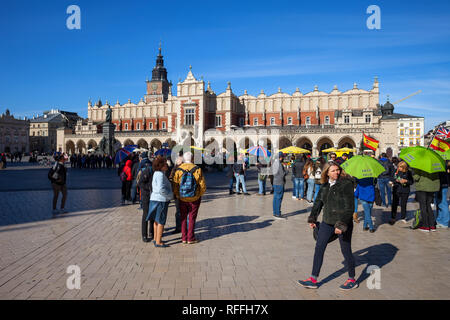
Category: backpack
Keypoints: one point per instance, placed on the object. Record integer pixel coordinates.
(145, 178)
(417, 220)
(53, 174)
(139, 174)
(237, 168)
(188, 184)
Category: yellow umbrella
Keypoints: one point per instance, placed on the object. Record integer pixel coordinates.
(293, 149)
(243, 150)
(330, 150)
(346, 150)
(197, 148)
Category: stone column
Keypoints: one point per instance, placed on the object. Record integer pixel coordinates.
(108, 134)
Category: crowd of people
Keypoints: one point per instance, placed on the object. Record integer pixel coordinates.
(91, 161)
(154, 182)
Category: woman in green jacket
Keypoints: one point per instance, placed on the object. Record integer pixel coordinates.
(336, 199)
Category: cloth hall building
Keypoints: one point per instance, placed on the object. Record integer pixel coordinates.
(198, 115)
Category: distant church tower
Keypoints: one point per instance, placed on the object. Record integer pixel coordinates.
(158, 87)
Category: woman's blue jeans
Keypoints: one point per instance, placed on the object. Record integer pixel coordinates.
(299, 187)
(277, 199)
(316, 190)
(262, 186)
(442, 213)
(367, 206)
(240, 179)
(310, 193)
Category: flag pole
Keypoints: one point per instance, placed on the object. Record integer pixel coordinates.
(434, 134)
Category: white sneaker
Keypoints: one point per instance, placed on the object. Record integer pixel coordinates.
(294, 197)
(404, 221)
(279, 217)
(441, 226)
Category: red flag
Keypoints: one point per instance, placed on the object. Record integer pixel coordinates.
(370, 143)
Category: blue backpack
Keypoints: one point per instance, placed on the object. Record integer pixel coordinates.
(188, 185)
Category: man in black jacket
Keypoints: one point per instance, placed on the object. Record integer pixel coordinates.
(57, 176)
(145, 184)
(298, 190)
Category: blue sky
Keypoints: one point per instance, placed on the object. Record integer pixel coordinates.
(253, 44)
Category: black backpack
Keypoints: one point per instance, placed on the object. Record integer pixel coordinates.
(146, 178)
(238, 168)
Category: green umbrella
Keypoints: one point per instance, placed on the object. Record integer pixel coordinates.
(423, 159)
(363, 167)
(444, 155)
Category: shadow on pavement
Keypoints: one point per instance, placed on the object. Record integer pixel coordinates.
(378, 255)
(216, 227)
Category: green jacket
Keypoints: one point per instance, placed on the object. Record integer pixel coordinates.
(428, 182)
(338, 204)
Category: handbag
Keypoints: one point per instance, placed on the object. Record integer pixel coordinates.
(333, 237)
(377, 196)
(305, 174)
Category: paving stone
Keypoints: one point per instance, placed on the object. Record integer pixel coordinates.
(242, 254)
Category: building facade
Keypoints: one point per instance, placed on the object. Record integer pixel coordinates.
(411, 131)
(313, 120)
(43, 129)
(13, 134)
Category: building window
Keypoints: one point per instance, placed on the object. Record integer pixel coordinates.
(289, 120)
(272, 121)
(402, 132)
(255, 121)
(368, 118)
(417, 132)
(417, 124)
(411, 142)
(327, 120)
(401, 141)
(241, 122)
(218, 121)
(411, 124)
(126, 126)
(33, 133)
(411, 132)
(401, 125)
(418, 142)
(308, 120)
(346, 119)
(150, 125)
(189, 116)
(163, 124)
(138, 126)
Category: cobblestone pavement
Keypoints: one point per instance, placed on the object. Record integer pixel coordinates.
(243, 253)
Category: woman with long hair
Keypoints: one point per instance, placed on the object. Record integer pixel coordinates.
(336, 199)
(318, 167)
(403, 179)
(309, 171)
(159, 199)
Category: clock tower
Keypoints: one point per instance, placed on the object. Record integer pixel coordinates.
(158, 87)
